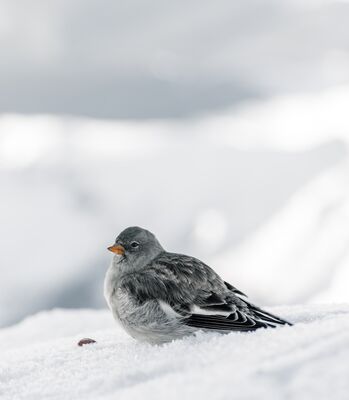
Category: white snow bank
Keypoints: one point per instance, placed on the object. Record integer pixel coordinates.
(225, 188)
(40, 360)
(302, 252)
(288, 122)
(69, 186)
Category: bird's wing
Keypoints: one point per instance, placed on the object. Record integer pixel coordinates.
(198, 295)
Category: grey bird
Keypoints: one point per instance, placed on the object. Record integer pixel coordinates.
(159, 296)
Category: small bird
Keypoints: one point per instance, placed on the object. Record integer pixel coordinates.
(159, 296)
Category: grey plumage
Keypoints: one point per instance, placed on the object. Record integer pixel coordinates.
(159, 296)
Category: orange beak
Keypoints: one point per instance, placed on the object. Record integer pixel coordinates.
(117, 249)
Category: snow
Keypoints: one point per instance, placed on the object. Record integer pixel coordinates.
(225, 188)
(290, 122)
(302, 251)
(40, 359)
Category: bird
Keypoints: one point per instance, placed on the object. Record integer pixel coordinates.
(158, 296)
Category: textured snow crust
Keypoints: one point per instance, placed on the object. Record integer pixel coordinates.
(40, 359)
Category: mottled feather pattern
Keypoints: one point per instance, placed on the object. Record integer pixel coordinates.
(175, 278)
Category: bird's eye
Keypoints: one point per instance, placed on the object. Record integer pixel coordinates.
(134, 244)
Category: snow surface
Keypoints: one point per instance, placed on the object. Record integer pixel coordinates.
(40, 359)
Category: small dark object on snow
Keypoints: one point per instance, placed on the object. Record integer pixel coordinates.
(86, 341)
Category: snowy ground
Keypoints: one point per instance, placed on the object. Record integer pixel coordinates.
(40, 360)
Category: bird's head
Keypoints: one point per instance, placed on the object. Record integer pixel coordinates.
(136, 247)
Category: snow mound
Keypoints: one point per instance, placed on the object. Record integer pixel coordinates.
(58, 173)
(40, 359)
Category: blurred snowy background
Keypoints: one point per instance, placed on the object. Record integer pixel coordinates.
(221, 126)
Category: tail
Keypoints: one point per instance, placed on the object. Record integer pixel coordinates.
(266, 317)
